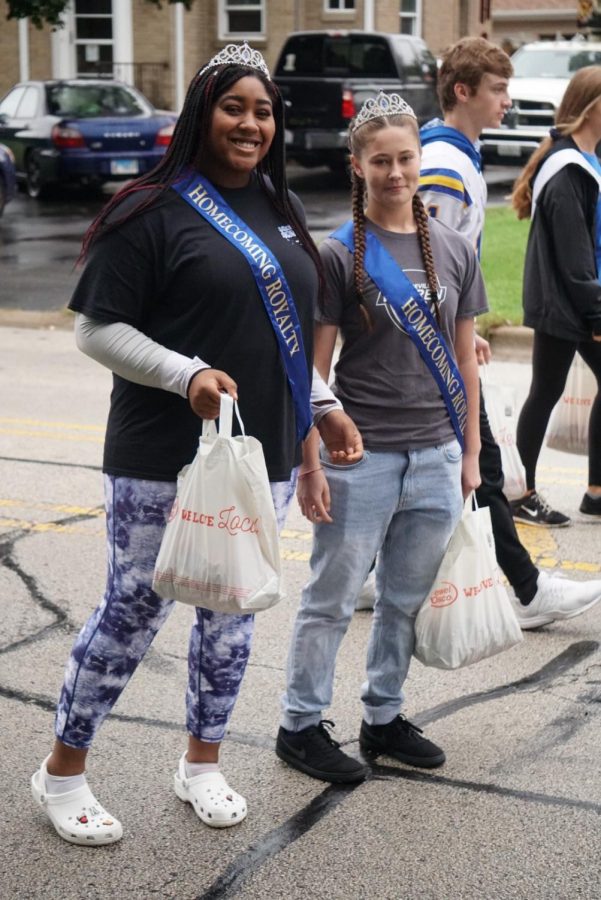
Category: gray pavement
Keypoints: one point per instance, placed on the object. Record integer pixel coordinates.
(514, 813)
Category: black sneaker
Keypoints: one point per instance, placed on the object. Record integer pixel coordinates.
(532, 509)
(315, 752)
(591, 506)
(401, 740)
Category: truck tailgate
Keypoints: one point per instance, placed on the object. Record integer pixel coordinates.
(312, 102)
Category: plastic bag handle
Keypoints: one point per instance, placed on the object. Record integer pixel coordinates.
(471, 502)
(227, 406)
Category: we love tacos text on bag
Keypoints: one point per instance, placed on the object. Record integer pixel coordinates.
(220, 548)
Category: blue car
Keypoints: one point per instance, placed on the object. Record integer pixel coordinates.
(8, 177)
(81, 131)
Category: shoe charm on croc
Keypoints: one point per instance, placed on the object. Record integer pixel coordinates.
(77, 816)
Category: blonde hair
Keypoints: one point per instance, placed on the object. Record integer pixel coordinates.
(358, 140)
(583, 91)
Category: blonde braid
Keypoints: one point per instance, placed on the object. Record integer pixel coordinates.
(423, 234)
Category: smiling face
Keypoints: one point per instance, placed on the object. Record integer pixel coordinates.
(242, 129)
(389, 164)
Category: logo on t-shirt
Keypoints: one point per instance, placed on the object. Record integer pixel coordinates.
(288, 233)
(420, 281)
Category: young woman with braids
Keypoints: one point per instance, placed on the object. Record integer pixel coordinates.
(173, 301)
(402, 500)
(560, 189)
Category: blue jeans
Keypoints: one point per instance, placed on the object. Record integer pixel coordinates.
(115, 638)
(403, 507)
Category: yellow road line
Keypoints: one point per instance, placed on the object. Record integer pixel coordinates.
(48, 436)
(52, 527)
(542, 547)
(66, 508)
(57, 528)
(539, 543)
(41, 423)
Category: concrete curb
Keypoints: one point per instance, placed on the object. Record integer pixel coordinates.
(511, 342)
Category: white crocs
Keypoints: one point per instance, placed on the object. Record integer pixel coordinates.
(76, 815)
(212, 798)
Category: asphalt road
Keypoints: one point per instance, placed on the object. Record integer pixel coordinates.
(513, 815)
(40, 239)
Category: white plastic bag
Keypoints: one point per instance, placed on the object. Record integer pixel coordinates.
(568, 428)
(500, 408)
(220, 548)
(467, 615)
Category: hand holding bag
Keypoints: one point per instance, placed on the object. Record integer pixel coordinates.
(220, 548)
(568, 428)
(467, 615)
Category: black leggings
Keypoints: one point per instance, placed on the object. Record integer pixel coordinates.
(551, 360)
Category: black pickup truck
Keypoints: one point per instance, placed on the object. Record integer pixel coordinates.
(325, 76)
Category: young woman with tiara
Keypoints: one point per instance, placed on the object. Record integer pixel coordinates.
(559, 189)
(403, 291)
(173, 301)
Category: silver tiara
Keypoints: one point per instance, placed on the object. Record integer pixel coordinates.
(238, 55)
(382, 105)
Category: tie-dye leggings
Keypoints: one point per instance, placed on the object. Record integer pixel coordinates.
(120, 631)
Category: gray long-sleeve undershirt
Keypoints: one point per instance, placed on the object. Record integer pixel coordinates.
(133, 355)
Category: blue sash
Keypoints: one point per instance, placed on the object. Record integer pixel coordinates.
(271, 282)
(417, 320)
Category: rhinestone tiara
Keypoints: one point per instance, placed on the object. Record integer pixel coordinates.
(382, 105)
(238, 55)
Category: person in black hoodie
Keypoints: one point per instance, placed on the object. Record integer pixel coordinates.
(559, 189)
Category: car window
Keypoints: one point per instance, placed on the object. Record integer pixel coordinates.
(585, 58)
(89, 101)
(302, 56)
(330, 55)
(427, 62)
(8, 107)
(408, 58)
(28, 106)
(371, 57)
(553, 62)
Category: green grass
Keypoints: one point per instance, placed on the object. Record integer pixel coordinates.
(503, 249)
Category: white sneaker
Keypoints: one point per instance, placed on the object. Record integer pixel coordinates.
(367, 595)
(557, 597)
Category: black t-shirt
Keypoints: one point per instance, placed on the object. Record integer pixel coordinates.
(168, 273)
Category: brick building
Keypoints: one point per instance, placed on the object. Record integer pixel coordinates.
(160, 49)
(519, 21)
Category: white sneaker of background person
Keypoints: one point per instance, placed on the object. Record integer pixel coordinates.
(556, 597)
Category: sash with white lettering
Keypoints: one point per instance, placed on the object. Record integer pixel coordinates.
(271, 282)
(417, 320)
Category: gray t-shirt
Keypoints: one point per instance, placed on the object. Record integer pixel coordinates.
(380, 377)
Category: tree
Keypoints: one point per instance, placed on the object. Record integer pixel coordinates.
(42, 12)
(39, 11)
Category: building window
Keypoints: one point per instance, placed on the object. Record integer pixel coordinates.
(411, 17)
(242, 18)
(339, 5)
(94, 37)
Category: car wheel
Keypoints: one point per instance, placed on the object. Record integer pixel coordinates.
(33, 177)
